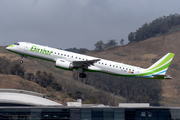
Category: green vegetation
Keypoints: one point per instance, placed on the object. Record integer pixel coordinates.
(41, 78)
(71, 89)
(3, 65)
(81, 50)
(134, 90)
(45, 80)
(7, 67)
(18, 70)
(159, 26)
(99, 46)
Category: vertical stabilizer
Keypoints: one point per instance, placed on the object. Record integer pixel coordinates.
(161, 66)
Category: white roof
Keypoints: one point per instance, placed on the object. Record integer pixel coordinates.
(133, 105)
(74, 104)
(26, 99)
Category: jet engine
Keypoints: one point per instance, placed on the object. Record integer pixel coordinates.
(63, 64)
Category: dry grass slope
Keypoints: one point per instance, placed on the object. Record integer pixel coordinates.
(142, 54)
(16, 82)
(64, 77)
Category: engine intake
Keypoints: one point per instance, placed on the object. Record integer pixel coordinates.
(63, 64)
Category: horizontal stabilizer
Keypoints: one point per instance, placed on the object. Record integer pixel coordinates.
(162, 76)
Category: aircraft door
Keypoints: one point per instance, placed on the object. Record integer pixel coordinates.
(27, 46)
(138, 71)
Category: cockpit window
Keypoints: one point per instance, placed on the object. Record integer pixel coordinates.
(16, 43)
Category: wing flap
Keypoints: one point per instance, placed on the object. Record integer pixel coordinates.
(85, 63)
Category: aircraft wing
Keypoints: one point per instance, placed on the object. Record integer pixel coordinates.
(85, 63)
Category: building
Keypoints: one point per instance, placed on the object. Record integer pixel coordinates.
(15, 108)
(15, 97)
(89, 113)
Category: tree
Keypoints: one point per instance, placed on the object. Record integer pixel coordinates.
(56, 86)
(38, 77)
(30, 76)
(99, 45)
(131, 36)
(38, 73)
(122, 42)
(4, 63)
(51, 78)
(18, 70)
(134, 90)
(160, 25)
(111, 43)
(93, 99)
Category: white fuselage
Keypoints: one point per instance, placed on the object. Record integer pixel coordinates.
(52, 54)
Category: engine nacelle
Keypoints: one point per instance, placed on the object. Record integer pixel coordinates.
(63, 64)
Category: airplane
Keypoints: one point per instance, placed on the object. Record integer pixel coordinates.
(68, 61)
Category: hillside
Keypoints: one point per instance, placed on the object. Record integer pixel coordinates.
(16, 82)
(145, 53)
(70, 87)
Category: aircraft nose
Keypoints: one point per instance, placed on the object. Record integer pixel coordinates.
(9, 47)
